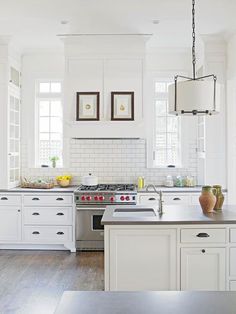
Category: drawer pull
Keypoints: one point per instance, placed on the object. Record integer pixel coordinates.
(4, 198)
(60, 214)
(35, 214)
(152, 199)
(35, 232)
(35, 199)
(176, 199)
(203, 251)
(202, 235)
(60, 233)
(60, 199)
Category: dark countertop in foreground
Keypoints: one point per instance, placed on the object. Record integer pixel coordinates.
(172, 214)
(158, 302)
(56, 189)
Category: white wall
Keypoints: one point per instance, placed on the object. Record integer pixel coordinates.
(112, 160)
(231, 119)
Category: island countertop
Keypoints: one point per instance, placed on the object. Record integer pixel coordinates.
(152, 302)
(172, 214)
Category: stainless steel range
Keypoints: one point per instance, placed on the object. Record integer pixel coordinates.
(91, 202)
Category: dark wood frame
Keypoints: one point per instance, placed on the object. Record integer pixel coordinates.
(113, 94)
(78, 94)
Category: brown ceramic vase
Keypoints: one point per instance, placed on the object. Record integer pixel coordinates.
(207, 199)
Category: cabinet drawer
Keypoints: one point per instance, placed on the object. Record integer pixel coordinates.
(13, 200)
(46, 200)
(203, 235)
(232, 234)
(48, 215)
(148, 199)
(232, 285)
(176, 199)
(50, 234)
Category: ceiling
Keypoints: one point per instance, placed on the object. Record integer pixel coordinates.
(34, 24)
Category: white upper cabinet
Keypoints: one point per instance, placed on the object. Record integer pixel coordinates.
(10, 104)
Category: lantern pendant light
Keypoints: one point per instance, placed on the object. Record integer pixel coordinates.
(194, 95)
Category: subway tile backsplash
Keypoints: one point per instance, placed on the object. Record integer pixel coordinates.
(113, 161)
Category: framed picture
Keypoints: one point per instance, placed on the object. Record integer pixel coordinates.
(87, 106)
(122, 106)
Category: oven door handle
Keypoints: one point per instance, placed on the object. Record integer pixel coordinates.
(82, 209)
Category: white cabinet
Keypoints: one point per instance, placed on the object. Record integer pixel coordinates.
(10, 224)
(9, 119)
(203, 269)
(141, 259)
(169, 198)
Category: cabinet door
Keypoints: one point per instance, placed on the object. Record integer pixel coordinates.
(142, 259)
(14, 139)
(10, 224)
(203, 269)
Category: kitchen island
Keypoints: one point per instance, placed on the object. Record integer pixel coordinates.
(183, 249)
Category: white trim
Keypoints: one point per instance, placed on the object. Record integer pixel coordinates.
(152, 77)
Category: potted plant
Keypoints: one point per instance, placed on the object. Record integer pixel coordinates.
(54, 160)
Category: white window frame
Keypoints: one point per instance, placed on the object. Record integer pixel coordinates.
(39, 96)
(152, 78)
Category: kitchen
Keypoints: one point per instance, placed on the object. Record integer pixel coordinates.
(63, 72)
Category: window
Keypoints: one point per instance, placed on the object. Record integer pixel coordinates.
(167, 140)
(49, 122)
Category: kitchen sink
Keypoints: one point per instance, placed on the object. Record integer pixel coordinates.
(134, 212)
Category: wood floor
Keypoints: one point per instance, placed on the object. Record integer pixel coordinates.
(32, 282)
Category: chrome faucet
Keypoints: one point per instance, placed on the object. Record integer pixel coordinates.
(160, 209)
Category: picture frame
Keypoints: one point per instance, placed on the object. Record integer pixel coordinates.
(87, 106)
(122, 106)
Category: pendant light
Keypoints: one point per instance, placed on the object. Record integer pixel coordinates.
(194, 95)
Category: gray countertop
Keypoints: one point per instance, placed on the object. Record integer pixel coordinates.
(172, 214)
(155, 302)
(195, 189)
(56, 189)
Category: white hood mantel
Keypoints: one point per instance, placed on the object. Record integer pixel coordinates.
(104, 63)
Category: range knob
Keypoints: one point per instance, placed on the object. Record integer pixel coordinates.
(101, 198)
(96, 198)
(127, 198)
(83, 198)
(122, 198)
(112, 199)
(88, 198)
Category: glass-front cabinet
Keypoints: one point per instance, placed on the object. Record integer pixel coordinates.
(14, 138)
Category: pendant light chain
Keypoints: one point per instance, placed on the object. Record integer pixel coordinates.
(194, 39)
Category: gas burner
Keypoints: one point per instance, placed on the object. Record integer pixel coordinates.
(107, 187)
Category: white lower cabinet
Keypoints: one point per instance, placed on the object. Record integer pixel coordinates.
(10, 224)
(142, 260)
(203, 269)
(232, 285)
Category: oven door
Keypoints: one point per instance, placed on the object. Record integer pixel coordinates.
(88, 224)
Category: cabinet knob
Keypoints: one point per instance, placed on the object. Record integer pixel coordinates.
(203, 251)
(202, 235)
(35, 214)
(4, 198)
(35, 232)
(35, 199)
(60, 233)
(60, 199)
(60, 214)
